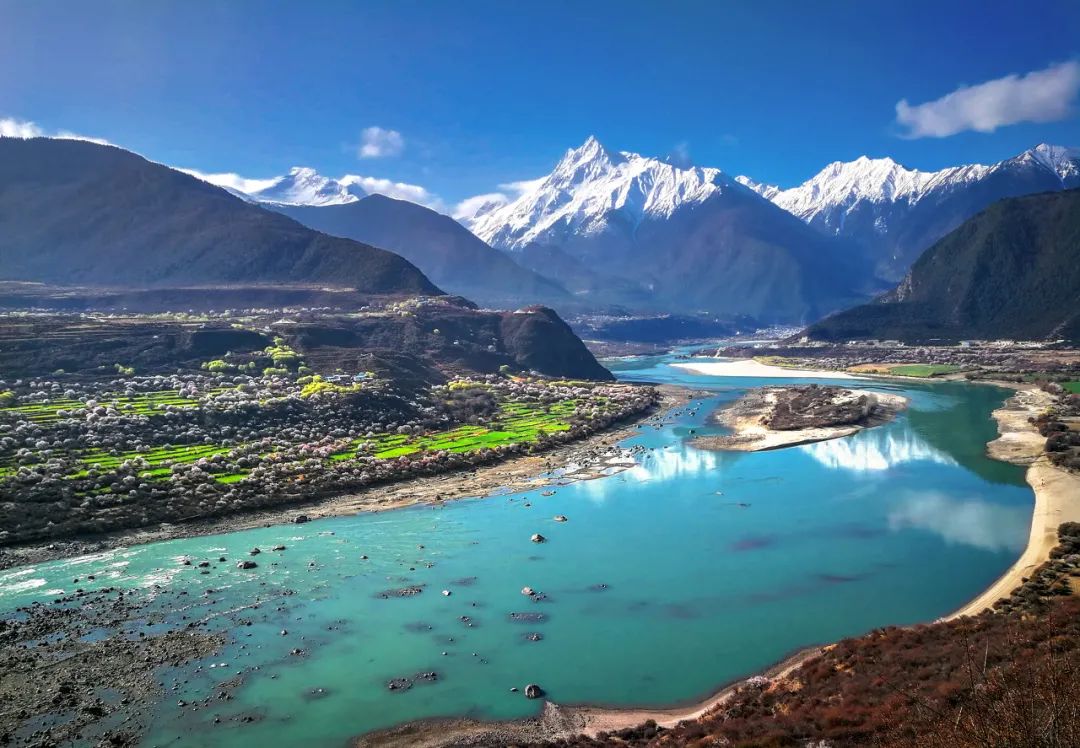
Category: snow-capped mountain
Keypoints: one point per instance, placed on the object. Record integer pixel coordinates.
(590, 189)
(834, 192)
(618, 227)
(895, 213)
(305, 186)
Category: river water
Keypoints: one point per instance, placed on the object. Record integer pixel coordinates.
(669, 579)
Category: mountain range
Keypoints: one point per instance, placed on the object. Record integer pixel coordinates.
(623, 228)
(602, 230)
(894, 213)
(1012, 271)
(305, 186)
(618, 229)
(446, 251)
(77, 212)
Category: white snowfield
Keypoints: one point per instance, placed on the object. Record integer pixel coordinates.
(842, 186)
(305, 186)
(578, 197)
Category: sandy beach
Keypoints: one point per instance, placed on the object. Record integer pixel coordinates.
(750, 368)
(1057, 491)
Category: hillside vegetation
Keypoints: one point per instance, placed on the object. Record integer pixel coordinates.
(1013, 271)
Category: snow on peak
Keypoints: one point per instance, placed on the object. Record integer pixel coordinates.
(767, 191)
(1062, 161)
(844, 184)
(586, 187)
(305, 186)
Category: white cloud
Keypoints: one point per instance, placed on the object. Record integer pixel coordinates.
(972, 522)
(471, 207)
(680, 154)
(414, 193)
(231, 181)
(1039, 96)
(521, 187)
(376, 142)
(14, 128)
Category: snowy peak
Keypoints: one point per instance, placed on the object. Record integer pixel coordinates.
(845, 184)
(1062, 161)
(588, 189)
(767, 191)
(305, 186)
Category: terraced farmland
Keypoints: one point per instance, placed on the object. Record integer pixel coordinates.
(145, 403)
(237, 442)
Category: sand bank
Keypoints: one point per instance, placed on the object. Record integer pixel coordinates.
(1057, 491)
(749, 418)
(750, 368)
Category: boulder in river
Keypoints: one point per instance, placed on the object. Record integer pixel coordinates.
(246, 565)
(301, 519)
(528, 591)
(533, 691)
(560, 517)
(538, 538)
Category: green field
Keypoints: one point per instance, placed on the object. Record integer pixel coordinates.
(518, 422)
(143, 404)
(1073, 386)
(923, 370)
(515, 423)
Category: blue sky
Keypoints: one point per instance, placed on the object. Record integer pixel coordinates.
(482, 93)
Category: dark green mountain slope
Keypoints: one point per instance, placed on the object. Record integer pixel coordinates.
(1012, 271)
(78, 212)
(442, 248)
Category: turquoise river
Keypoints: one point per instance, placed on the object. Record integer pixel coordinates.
(669, 579)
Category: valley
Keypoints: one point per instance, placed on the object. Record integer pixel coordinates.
(539, 375)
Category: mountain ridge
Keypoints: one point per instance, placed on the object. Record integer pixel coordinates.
(894, 213)
(77, 212)
(619, 227)
(1010, 271)
(447, 252)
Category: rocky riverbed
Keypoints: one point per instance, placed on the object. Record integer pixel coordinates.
(87, 667)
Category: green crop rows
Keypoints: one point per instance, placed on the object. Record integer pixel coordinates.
(146, 403)
(923, 370)
(516, 422)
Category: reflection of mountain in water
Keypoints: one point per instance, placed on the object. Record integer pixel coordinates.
(875, 450)
(661, 465)
(963, 430)
(980, 524)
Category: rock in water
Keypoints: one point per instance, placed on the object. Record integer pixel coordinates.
(533, 691)
(528, 591)
(560, 517)
(538, 538)
(246, 565)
